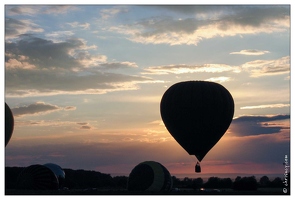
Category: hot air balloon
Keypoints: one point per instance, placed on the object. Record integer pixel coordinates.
(37, 177)
(197, 114)
(149, 176)
(9, 124)
(58, 171)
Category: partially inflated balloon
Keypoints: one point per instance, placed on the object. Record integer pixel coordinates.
(9, 124)
(37, 177)
(58, 171)
(149, 176)
(197, 114)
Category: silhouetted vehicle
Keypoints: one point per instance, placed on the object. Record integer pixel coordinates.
(9, 124)
(197, 114)
(149, 176)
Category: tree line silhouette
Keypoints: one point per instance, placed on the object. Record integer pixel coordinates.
(87, 180)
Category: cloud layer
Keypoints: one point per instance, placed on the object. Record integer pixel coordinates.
(227, 21)
(36, 66)
(255, 68)
(258, 125)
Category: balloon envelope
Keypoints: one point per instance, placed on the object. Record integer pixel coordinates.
(149, 176)
(9, 124)
(58, 171)
(197, 114)
(37, 177)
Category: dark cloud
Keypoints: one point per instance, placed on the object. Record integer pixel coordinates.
(257, 15)
(38, 66)
(252, 15)
(70, 108)
(192, 9)
(195, 23)
(14, 28)
(44, 53)
(258, 125)
(85, 127)
(39, 82)
(264, 148)
(36, 108)
(168, 24)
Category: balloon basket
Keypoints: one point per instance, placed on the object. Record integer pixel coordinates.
(198, 168)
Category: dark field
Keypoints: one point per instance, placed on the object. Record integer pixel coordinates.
(259, 191)
(84, 182)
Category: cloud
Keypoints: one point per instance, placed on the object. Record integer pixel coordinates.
(70, 108)
(45, 54)
(79, 25)
(33, 109)
(14, 28)
(36, 66)
(38, 108)
(58, 36)
(111, 12)
(258, 68)
(58, 9)
(118, 65)
(22, 10)
(157, 122)
(258, 125)
(84, 125)
(220, 79)
(250, 52)
(266, 106)
(183, 68)
(227, 21)
(40, 83)
(36, 10)
(45, 123)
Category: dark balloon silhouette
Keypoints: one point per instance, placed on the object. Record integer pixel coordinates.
(197, 114)
(58, 171)
(149, 176)
(37, 177)
(9, 124)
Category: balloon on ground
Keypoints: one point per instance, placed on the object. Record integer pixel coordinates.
(37, 177)
(149, 176)
(58, 171)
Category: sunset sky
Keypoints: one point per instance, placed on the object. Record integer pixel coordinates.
(85, 82)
